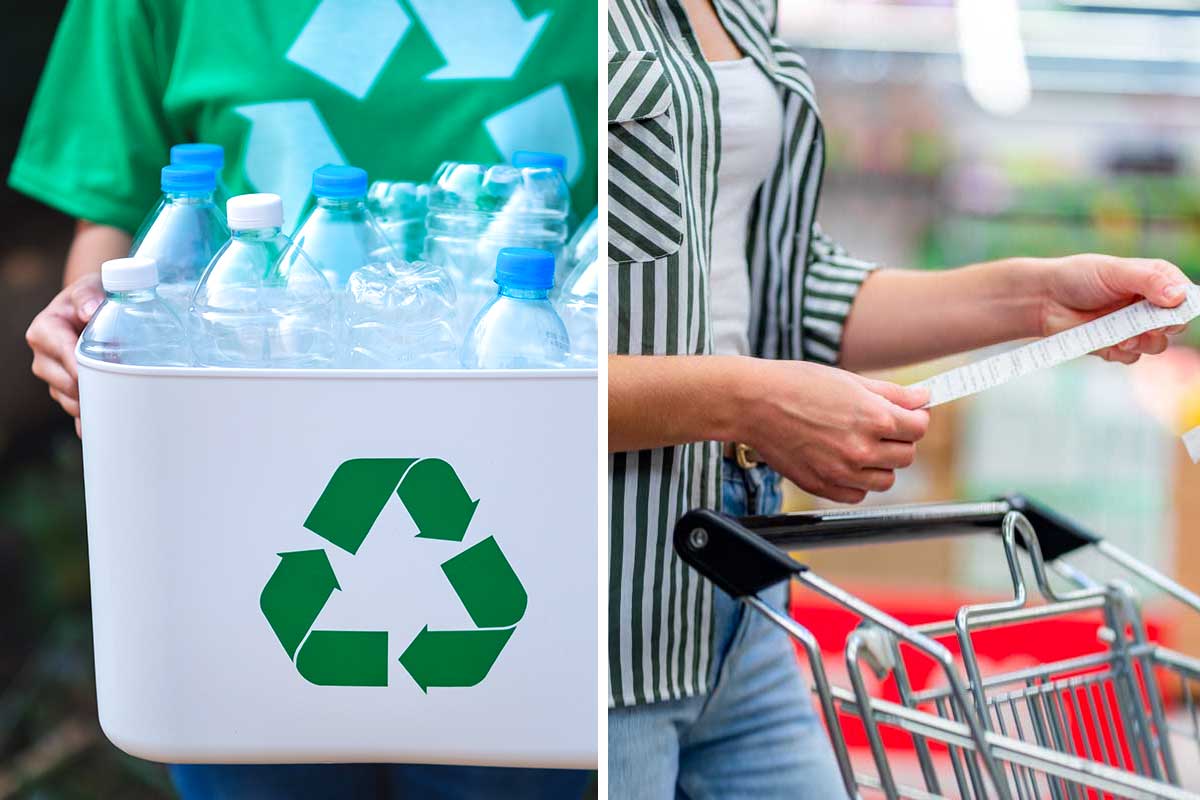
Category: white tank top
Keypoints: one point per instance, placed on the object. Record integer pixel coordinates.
(751, 117)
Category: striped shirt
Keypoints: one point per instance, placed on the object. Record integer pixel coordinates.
(664, 146)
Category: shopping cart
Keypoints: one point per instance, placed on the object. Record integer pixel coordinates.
(1117, 722)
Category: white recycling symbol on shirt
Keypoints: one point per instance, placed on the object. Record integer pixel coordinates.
(349, 42)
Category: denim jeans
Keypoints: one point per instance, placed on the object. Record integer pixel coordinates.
(375, 781)
(755, 734)
(369, 781)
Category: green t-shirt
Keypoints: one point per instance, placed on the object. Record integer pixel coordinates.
(285, 86)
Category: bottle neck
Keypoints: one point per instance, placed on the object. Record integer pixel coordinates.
(342, 203)
(188, 198)
(524, 294)
(255, 234)
(132, 295)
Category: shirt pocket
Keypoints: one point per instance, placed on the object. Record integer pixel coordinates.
(645, 195)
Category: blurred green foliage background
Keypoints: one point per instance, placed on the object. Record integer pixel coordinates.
(50, 743)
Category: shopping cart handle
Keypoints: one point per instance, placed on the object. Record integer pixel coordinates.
(842, 527)
(721, 549)
(744, 555)
(1057, 535)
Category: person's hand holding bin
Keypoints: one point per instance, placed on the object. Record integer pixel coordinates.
(53, 334)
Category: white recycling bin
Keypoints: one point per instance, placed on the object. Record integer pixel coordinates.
(296, 566)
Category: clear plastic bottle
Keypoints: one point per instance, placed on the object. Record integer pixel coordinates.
(578, 296)
(399, 208)
(183, 232)
(519, 328)
(400, 315)
(392, 313)
(205, 155)
(339, 234)
(536, 158)
(133, 325)
(579, 306)
(477, 209)
(262, 302)
(584, 246)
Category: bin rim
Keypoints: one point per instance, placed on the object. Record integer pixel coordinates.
(86, 362)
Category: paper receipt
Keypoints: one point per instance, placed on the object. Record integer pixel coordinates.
(1104, 332)
(1191, 440)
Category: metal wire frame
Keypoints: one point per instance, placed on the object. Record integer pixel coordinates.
(939, 729)
(1024, 734)
(1128, 725)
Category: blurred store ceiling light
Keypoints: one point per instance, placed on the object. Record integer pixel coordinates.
(993, 55)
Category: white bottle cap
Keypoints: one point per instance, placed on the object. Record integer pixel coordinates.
(129, 274)
(251, 211)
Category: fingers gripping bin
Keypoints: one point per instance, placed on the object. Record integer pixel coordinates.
(343, 566)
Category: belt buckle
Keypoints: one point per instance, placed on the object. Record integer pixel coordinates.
(745, 455)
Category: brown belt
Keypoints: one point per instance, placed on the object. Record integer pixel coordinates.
(745, 455)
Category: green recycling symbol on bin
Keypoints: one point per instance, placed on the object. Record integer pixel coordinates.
(442, 509)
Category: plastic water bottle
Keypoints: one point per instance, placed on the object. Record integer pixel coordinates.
(400, 315)
(262, 302)
(519, 328)
(579, 306)
(477, 209)
(183, 232)
(133, 325)
(339, 234)
(399, 208)
(205, 155)
(578, 296)
(584, 246)
(536, 158)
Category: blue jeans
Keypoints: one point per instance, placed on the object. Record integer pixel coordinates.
(755, 734)
(365, 781)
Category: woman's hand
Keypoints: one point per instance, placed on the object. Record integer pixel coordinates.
(1080, 288)
(53, 333)
(831, 432)
(52, 336)
(1001, 301)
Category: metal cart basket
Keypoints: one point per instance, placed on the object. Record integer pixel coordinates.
(1114, 723)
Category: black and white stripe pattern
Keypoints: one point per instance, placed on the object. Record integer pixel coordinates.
(646, 214)
(664, 147)
(637, 87)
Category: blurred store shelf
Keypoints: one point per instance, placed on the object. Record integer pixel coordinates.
(868, 25)
(1105, 157)
(1081, 48)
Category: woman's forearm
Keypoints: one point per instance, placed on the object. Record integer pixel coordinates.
(658, 401)
(831, 432)
(906, 316)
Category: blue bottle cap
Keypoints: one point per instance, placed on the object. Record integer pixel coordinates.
(525, 268)
(210, 155)
(339, 182)
(532, 158)
(188, 178)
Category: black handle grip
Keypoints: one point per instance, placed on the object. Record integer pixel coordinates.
(1057, 535)
(729, 555)
(841, 527)
(743, 556)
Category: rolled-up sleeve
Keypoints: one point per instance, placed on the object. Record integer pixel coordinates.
(832, 279)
